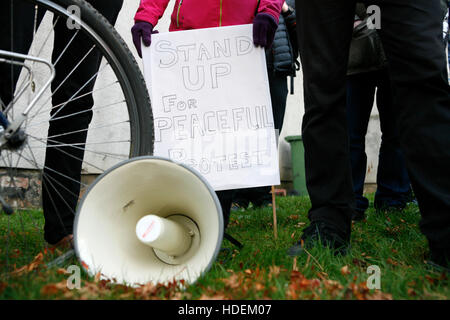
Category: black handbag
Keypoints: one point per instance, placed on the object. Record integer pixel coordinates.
(366, 50)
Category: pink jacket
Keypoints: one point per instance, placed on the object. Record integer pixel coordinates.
(195, 14)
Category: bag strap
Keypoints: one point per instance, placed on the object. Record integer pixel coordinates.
(257, 7)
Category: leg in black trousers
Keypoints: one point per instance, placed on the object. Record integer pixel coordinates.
(360, 97)
(324, 33)
(393, 185)
(412, 38)
(62, 175)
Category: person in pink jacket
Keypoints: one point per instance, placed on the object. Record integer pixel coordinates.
(196, 14)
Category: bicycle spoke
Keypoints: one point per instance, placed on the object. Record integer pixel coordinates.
(68, 154)
(115, 156)
(44, 44)
(67, 46)
(54, 171)
(53, 203)
(79, 90)
(62, 186)
(77, 98)
(90, 129)
(12, 184)
(64, 81)
(35, 162)
(82, 144)
(108, 106)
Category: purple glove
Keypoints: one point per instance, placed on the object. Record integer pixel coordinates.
(144, 30)
(264, 27)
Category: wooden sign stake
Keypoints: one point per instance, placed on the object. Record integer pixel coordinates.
(274, 210)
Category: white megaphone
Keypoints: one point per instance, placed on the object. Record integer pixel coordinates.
(148, 219)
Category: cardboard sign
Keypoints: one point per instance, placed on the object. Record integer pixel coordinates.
(211, 105)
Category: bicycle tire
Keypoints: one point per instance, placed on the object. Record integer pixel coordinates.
(114, 49)
(118, 49)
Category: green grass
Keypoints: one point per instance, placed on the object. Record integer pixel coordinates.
(392, 241)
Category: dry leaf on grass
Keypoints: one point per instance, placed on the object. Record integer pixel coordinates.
(54, 288)
(392, 262)
(213, 297)
(345, 270)
(274, 271)
(38, 260)
(233, 282)
(378, 295)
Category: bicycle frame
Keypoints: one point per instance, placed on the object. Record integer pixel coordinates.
(14, 126)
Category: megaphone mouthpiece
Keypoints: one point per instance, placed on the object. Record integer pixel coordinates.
(163, 234)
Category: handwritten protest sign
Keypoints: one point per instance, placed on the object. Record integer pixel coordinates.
(211, 105)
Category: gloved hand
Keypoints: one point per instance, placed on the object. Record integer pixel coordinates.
(144, 30)
(264, 27)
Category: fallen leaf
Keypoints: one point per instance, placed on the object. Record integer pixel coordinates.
(411, 292)
(378, 295)
(431, 280)
(392, 262)
(345, 270)
(214, 297)
(38, 260)
(54, 288)
(322, 275)
(358, 262)
(274, 271)
(259, 286)
(233, 281)
(62, 271)
(3, 286)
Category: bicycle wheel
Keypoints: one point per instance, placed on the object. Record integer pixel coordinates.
(96, 114)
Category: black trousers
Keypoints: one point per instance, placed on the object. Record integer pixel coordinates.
(62, 173)
(411, 32)
(393, 185)
(278, 95)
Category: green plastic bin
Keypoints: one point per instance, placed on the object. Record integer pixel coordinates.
(298, 164)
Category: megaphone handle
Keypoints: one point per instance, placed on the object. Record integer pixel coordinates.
(233, 240)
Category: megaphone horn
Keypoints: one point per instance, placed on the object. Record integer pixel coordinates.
(148, 219)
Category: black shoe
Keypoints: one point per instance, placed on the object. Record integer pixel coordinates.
(327, 235)
(236, 207)
(439, 258)
(395, 206)
(358, 215)
(239, 205)
(261, 203)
